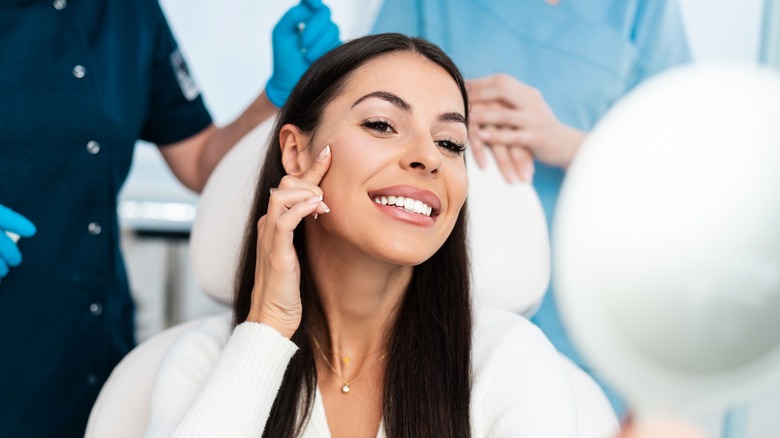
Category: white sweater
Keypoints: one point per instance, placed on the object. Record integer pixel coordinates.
(214, 384)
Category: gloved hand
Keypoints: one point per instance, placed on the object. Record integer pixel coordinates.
(302, 35)
(11, 221)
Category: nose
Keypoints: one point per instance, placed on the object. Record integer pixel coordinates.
(422, 156)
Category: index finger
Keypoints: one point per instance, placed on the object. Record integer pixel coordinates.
(319, 168)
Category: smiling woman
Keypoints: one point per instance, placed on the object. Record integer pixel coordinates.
(352, 311)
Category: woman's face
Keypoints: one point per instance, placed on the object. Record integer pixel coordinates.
(398, 178)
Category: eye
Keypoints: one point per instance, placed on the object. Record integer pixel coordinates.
(451, 145)
(379, 125)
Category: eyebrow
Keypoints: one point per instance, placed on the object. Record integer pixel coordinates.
(390, 97)
(405, 106)
(452, 117)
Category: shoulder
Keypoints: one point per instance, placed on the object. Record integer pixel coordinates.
(520, 385)
(497, 329)
(507, 344)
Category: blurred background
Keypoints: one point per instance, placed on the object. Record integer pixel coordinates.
(228, 47)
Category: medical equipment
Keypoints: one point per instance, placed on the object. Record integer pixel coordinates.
(13, 236)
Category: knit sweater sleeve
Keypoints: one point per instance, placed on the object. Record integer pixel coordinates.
(211, 384)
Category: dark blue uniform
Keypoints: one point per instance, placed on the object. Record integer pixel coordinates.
(80, 82)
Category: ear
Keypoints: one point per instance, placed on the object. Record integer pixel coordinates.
(294, 145)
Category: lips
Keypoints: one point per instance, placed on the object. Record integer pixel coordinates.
(408, 197)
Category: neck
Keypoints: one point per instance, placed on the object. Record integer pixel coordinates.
(360, 297)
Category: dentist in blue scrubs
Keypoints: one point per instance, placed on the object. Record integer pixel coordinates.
(542, 73)
(80, 82)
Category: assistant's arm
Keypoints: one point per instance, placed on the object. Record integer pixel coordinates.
(302, 35)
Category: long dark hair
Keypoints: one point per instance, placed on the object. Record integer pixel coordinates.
(427, 385)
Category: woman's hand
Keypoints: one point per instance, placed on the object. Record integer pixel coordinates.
(276, 296)
(515, 122)
(661, 427)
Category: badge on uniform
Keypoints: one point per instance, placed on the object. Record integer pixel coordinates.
(188, 86)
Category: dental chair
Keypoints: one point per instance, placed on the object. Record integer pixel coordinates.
(510, 271)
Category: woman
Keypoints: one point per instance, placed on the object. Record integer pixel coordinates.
(561, 65)
(352, 310)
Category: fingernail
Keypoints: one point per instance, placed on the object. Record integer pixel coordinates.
(314, 200)
(325, 207)
(316, 215)
(325, 152)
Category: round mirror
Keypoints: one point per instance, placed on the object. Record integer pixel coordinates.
(666, 249)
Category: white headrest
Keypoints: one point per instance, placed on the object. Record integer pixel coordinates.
(508, 233)
(218, 229)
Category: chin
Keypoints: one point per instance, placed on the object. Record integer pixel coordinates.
(408, 256)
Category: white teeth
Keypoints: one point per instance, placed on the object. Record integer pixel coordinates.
(408, 204)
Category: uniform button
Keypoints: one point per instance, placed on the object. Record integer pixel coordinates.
(91, 379)
(60, 4)
(79, 71)
(95, 309)
(93, 147)
(94, 228)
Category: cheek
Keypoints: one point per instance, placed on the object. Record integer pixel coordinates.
(350, 166)
(458, 185)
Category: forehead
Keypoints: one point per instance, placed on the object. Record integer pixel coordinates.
(409, 75)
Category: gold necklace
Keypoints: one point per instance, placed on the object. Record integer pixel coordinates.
(346, 387)
(347, 359)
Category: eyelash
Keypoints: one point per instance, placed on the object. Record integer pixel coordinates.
(379, 126)
(382, 126)
(452, 145)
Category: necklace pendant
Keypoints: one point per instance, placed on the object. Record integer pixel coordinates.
(345, 389)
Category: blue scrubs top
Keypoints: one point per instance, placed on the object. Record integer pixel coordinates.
(80, 82)
(582, 56)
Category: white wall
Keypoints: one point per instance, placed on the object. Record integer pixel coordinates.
(723, 29)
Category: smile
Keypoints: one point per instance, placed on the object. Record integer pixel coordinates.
(408, 204)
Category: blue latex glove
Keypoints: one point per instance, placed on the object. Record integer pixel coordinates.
(302, 35)
(13, 222)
